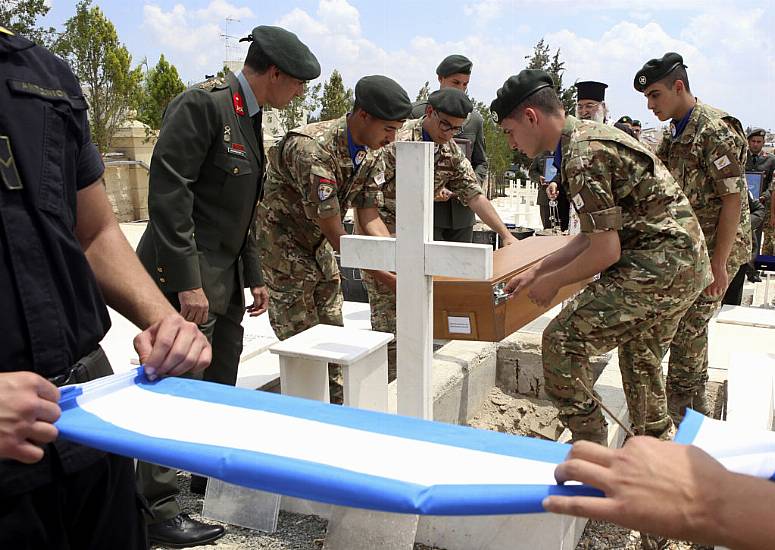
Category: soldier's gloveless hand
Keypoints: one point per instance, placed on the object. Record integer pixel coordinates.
(194, 305)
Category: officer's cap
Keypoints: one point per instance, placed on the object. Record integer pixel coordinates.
(284, 50)
(757, 132)
(451, 101)
(656, 69)
(454, 64)
(636, 123)
(383, 98)
(589, 89)
(517, 89)
(625, 120)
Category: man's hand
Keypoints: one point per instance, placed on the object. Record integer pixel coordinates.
(260, 301)
(444, 195)
(28, 409)
(720, 280)
(542, 180)
(386, 278)
(508, 240)
(194, 306)
(655, 486)
(171, 347)
(551, 190)
(520, 281)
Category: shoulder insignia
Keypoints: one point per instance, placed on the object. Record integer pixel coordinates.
(212, 83)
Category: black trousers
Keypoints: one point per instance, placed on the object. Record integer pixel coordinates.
(93, 509)
(734, 294)
(460, 235)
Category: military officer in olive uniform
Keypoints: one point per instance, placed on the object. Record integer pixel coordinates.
(637, 230)
(705, 150)
(316, 173)
(452, 220)
(446, 112)
(206, 178)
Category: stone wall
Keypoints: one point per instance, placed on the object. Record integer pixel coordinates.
(127, 187)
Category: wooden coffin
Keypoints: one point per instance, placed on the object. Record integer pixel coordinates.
(476, 310)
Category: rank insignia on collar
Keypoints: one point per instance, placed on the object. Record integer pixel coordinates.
(673, 129)
(239, 108)
(360, 156)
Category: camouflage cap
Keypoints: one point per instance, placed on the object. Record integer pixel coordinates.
(757, 132)
(517, 89)
(285, 50)
(454, 64)
(656, 69)
(451, 101)
(382, 97)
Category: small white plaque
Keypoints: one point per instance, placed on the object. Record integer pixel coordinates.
(459, 325)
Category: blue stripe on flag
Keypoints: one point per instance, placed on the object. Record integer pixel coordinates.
(689, 428)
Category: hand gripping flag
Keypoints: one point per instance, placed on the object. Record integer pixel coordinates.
(313, 450)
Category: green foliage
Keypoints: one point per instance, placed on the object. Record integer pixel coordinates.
(336, 101)
(293, 115)
(19, 16)
(91, 46)
(162, 84)
(499, 154)
(424, 92)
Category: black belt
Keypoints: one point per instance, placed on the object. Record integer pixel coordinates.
(92, 366)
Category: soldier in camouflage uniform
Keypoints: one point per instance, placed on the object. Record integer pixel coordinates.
(316, 173)
(453, 176)
(638, 231)
(705, 150)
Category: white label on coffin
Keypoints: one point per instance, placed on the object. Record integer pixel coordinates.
(459, 325)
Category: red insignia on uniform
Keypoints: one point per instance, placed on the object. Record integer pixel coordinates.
(238, 146)
(238, 106)
(326, 180)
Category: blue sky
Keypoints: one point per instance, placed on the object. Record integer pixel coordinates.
(726, 44)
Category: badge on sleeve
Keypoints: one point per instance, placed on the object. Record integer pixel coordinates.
(326, 188)
(8, 171)
(722, 162)
(578, 202)
(239, 108)
(379, 179)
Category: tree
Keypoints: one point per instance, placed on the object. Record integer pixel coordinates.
(91, 46)
(424, 92)
(293, 115)
(499, 153)
(19, 16)
(336, 101)
(162, 84)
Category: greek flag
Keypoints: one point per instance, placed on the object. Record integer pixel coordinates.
(313, 450)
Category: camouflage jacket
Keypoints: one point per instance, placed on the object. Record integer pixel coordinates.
(311, 176)
(616, 183)
(707, 160)
(451, 169)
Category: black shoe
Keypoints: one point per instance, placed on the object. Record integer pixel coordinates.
(182, 531)
(753, 277)
(198, 485)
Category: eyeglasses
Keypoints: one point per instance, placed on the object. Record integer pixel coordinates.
(445, 126)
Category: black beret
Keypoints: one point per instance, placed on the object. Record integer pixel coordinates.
(517, 89)
(454, 64)
(757, 132)
(656, 69)
(636, 123)
(382, 97)
(589, 89)
(285, 50)
(624, 120)
(451, 101)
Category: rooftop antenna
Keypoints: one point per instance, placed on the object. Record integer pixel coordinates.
(227, 38)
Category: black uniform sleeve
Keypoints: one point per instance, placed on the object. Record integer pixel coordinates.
(90, 167)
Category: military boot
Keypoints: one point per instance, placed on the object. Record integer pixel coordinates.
(700, 401)
(677, 403)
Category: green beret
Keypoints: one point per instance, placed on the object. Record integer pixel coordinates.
(517, 89)
(454, 64)
(625, 120)
(451, 101)
(636, 123)
(656, 69)
(382, 97)
(757, 132)
(284, 50)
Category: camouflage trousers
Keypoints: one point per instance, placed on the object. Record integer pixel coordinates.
(298, 304)
(688, 366)
(602, 317)
(382, 303)
(768, 236)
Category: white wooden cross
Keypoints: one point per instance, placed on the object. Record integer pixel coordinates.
(416, 258)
